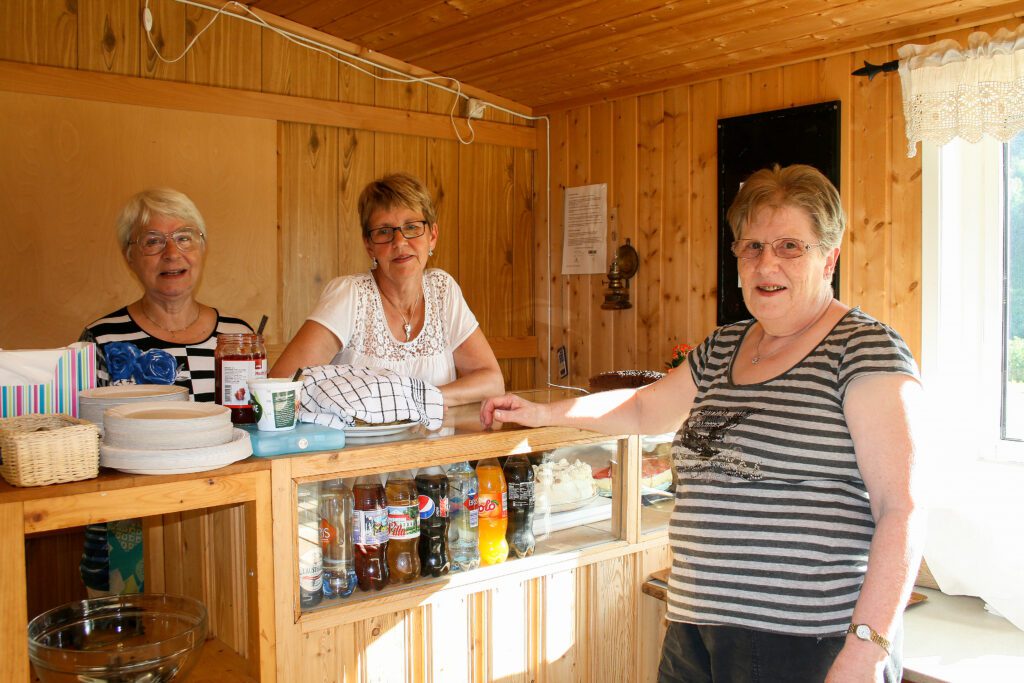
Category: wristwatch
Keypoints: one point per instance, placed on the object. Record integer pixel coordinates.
(865, 632)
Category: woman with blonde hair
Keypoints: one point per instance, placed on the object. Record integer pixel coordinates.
(401, 315)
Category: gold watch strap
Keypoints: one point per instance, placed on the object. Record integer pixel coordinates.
(875, 637)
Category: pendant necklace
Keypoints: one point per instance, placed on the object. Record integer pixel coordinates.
(142, 308)
(757, 349)
(406, 326)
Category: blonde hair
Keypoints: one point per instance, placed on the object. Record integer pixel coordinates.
(800, 186)
(159, 201)
(391, 191)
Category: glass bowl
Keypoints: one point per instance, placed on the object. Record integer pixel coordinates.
(141, 637)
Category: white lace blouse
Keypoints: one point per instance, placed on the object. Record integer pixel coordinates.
(351, 308)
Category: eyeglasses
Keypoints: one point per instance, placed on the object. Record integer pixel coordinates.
(385, 233)
(784, 247)
(153, 242)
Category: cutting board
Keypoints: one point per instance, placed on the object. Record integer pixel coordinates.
(305, 438)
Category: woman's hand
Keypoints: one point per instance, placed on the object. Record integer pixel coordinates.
(512, 408)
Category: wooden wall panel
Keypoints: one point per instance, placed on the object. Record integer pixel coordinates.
(39, 32)
(649, 227)
(228, 53)
(169, 37)
(107, 36)
(579, 308)
(356, 155)
(624, 193)
(675, 240)
(69, 165)
(309, 221)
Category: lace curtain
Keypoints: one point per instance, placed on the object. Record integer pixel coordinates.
(950, 91)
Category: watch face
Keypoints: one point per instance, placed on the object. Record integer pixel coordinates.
(864, 632)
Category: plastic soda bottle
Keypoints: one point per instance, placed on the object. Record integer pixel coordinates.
(520, 478)
(370, 533)
(463, 539)
(336, 505)
(311, 568)
(493, 505)
(432, 487)
(403, 527)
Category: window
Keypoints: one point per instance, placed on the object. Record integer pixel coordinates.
(973, 296)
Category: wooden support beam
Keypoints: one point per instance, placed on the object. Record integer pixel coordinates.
(148, 92)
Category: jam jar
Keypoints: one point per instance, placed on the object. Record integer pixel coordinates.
(238, 359)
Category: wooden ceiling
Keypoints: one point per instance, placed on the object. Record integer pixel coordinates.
(547, 54)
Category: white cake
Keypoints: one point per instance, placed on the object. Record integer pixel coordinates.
(560, 483)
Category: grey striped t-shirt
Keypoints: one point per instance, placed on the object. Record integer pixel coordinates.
(772, 524)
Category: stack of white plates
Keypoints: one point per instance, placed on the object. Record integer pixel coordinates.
(93, 402)
(171, 438)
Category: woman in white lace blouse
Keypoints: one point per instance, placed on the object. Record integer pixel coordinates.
(400, 316)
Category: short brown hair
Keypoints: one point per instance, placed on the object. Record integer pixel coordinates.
(391, 191)
(800, 186)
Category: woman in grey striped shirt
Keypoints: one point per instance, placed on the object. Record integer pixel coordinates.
(795, 537)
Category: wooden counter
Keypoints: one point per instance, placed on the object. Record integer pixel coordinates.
(547, 617)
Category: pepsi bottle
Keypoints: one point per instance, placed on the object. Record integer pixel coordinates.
(432, 487)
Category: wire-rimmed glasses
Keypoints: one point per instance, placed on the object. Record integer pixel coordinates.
(153, 242)
(386, 233)
(784, 247)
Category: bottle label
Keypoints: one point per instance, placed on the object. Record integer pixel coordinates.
(492, 506)
(235, 376)
(328, 533)
(520, 494)
(311, 570)
(428, 509)
(403, 522)
(370, 527)
(473, 508)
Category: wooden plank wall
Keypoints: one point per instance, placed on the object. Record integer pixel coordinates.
(484, 191)
(657, 152)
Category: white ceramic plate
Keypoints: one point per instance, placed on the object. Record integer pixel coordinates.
(143, 461)
(571, 505)
(168, 425)
(129, 392)
(372, 431)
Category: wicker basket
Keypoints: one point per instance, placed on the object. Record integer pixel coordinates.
(48, 449)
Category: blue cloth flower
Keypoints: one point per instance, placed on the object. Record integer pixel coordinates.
(155, 366)
(121, 360)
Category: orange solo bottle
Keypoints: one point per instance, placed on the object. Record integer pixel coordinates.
(492, 503)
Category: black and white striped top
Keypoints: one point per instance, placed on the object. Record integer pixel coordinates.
(772, 523)
(194, 362)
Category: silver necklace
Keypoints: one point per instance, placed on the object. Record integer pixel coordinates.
(790, 337)
(199, 310)
(406, 326)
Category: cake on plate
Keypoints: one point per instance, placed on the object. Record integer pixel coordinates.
(561, 484)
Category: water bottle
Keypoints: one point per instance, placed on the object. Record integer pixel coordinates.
(311, 567)
(463, 530)
(336, 503)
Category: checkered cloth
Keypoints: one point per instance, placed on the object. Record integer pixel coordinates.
(336, 395)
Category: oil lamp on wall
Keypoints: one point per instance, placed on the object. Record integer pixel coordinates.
(623, 267)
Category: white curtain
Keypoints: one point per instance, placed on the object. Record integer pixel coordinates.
(950, 91)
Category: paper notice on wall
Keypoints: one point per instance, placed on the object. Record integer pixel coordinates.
(585, 245)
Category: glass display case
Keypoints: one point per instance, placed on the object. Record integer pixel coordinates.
(657, 482)
(359, 538)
